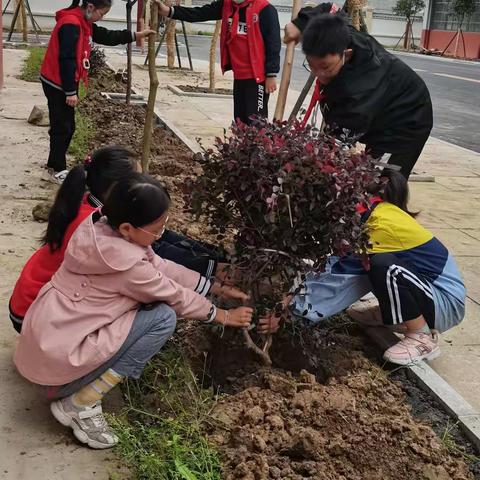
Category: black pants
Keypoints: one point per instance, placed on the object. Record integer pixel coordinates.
(249, 98)
(402, 293)
(198, 256)
(62, 127)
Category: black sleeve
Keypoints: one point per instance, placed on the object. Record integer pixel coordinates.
(67, 38)
(111, 37)
(210, 11)
(270, 28)
(305, 14)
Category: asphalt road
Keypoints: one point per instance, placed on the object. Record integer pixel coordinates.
(454, 87)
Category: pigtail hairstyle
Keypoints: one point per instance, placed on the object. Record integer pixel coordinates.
(138, 200)
(65, 208)
(106, 166)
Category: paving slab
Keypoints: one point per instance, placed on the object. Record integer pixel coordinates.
(470, 270)
(32, 444)
(457, 241)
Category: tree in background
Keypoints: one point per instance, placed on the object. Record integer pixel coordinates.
(408, 9)
(462, 9)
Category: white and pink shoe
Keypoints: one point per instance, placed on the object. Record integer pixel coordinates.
(414, 348)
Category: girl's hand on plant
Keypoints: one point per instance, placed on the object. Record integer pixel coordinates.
(271, 323)
(163, 10)
(240, 317)
(270, 84)
(292, 33)
(267, 325)
(144, 33)
(227, 291)
(72, 100)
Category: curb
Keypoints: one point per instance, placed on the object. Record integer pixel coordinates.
(429, 380)
(177, 91)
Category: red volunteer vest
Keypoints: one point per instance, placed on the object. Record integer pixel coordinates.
(51, 66)
(256, 47)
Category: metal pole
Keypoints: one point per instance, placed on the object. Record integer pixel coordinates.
(178, 51)
(1, 46)
(14, 21)
(302, 96)
(185, 37)
(128, 96)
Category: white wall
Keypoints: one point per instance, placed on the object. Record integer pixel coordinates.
(387, 28)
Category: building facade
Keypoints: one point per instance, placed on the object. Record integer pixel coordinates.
(440, 25)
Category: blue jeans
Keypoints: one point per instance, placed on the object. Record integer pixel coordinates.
(150, 330)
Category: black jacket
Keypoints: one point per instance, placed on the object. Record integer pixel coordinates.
(379, 99)
(68, 36)
(269, 26)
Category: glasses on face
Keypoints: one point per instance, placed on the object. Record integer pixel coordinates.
(157, 236)
(324, 72)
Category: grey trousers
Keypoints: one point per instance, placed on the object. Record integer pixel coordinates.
(150, 330)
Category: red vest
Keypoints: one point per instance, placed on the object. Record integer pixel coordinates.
(51, 65)
(256, 46)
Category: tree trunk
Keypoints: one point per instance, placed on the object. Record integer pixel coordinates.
(406, 39)
(152, 94)
(170, 39)
(128, 96)
(23, 17)
(213, 55)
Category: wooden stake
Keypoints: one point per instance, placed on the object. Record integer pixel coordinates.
(23, 18)
(152, 94)
(129, 54)
(287, 70)
(213, 55)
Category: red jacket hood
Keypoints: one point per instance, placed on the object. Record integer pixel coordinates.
(75, 12)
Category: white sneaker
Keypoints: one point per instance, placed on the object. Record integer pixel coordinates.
(88, 423)
(57, 177)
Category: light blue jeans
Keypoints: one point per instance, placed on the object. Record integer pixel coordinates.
(150, 330)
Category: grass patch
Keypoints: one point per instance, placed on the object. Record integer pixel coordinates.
(84, 131)
(447, 438)
(32, 64)
(160, 431)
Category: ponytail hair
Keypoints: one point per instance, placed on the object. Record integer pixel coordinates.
(393, 188)
(138, 200)
(95, 3)
(65, 208)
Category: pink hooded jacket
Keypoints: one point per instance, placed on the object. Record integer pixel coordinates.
(83, 315)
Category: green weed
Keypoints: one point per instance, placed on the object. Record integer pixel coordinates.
(84, 133)
(160, 432)
(32, 64)
(448, 440)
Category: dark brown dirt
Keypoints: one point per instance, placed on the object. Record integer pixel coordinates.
(119, 124)
(324, 410)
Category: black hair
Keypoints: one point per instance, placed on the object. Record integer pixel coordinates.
(393, 188)
(95, 3)
(107, 165)
(138, 200)
(325, 34)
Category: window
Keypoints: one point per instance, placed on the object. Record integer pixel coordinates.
(444, 19)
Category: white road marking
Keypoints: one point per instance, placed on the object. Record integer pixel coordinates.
(468, 79)
(419, 70)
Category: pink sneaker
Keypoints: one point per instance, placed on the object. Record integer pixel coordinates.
(414, 348)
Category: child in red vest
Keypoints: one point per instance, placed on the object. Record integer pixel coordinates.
(66, 63)
(249, 45)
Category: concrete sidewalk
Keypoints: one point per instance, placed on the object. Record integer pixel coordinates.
(450, 207)
(33, 445)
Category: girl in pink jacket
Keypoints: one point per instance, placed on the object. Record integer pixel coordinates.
(110, 307)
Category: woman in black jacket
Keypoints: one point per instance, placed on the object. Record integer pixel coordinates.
(366, 93)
